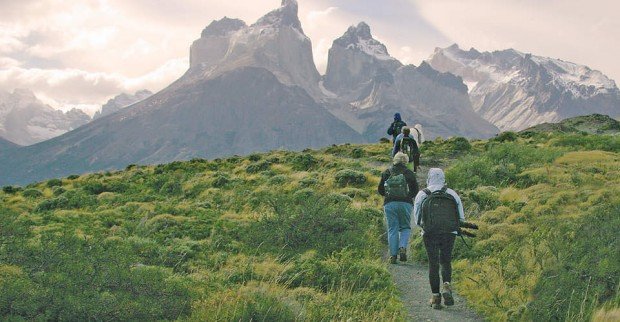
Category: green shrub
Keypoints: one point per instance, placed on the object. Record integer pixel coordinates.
(588, 273)
(303, 162)
(314, 222)
(11, 189)
(357, 153)
(220, 181)
(57, 191)
(349, 177)
(258, 167)
(308, 181)
(278, 179)
(507, 136)
(32, 193)
(73, 177)
(54, 183)
(171, 188)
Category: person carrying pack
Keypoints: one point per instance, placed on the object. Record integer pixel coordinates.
(439, 211)
(406, 143)
(396, 126)
(398, 185)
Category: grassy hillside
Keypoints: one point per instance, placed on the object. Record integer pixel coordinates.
(299, 236)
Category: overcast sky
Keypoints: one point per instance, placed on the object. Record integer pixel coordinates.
(80, 53)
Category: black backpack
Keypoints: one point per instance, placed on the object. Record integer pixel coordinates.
(396, 186)
(439, 213)
(406, 146)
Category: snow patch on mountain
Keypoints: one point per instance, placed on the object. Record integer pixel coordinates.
(26, 120)
(516, 90)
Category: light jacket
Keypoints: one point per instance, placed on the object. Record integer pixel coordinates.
(435, 181)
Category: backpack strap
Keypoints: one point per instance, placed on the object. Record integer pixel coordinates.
(427, 192)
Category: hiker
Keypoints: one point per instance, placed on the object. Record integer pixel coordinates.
(406, 143)
(395, 127)
(398, 186)
(439, 211)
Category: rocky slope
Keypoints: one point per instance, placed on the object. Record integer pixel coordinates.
(25, 120)
(514, 90)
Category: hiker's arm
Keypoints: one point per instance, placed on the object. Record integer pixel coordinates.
(459, 205)
(390, 130)
(381, 187)
(396, 147)
(417, 204)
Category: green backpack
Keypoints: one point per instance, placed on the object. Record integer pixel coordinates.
(396, 185)
(438, 213)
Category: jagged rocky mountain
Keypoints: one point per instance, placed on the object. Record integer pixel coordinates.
(25, 120)
(121, 101)
(371, 86)
(514, 90)
(251, 99)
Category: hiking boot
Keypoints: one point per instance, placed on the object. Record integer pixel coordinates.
(402, 253)
(393, 259)
(448, 300)
(436, 301)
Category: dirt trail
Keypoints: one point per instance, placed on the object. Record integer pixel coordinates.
(411, 279)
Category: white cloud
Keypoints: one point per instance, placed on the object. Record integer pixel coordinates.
(7, 62)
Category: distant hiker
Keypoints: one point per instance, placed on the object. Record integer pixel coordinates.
(439, 211)
(406, 143)
(398, 186)
(396, 126)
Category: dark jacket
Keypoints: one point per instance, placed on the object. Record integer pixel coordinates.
(411, 182)
(393, 130)
(412, 143)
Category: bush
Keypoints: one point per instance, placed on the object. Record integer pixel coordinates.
(507, 136)
(54, 183)
(32, 193)
(57, 191)
(349, 177)
(303, 162)
(11, 189)
(73, 177)
(315, 221)
(220, 181)
(171, 188)
(258, 167)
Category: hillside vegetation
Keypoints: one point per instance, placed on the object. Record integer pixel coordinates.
(287, 236)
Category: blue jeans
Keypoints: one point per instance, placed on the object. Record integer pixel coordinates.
(398, 217)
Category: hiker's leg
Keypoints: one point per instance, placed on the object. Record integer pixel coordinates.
(432, 250)
(405, 223)
(391, 216)
(416, 162)
(447, 244)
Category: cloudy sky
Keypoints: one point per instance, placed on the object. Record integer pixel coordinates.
(80, 53)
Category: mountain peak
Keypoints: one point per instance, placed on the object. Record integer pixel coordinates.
(286, 15)
(222, 27)
(359, 37)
